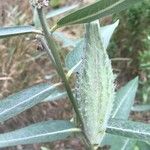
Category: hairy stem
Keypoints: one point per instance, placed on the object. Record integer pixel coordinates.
(54, 51)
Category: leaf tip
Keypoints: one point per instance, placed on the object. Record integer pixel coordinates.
(136, 78)
(54, 28)
(117, 23)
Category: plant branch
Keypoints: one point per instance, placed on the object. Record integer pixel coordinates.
(44, 44)
(54, 51)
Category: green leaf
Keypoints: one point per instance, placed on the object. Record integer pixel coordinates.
(47, 131)
(124, 100)
(19, 102)
(56, 95)
(145, 66)
(95, 11)
(67, 42)
(36, 20)
(139, 108)
(60, 11)
(119, 143)
(130, 129)
(121, 110)
(17, 30)
(143, 145)
(128, 145)
(107, 32)
(76, 54)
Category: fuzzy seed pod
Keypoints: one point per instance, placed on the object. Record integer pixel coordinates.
(95, 85)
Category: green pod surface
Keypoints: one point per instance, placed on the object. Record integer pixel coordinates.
(95, 85)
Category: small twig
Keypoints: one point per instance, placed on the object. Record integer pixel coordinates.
(6, 78)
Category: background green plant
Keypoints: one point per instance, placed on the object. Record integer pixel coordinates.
(132, 41)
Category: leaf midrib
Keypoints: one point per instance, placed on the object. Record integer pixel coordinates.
(116, 111)
(42, 135)
(28, 99)
(128, 130)
(101, 11)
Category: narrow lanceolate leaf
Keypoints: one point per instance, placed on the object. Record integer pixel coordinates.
(47, 131)
(75, 56)
(130, 129)
(124, 100)
(17, 30)
(60, 11)
(95, 82)
(121, 110)
(19, 102)
(66, 41)
(56, 95)
(95, 11)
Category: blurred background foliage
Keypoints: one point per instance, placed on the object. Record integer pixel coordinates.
(132, 40)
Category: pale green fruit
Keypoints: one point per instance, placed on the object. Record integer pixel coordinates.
(95, 82)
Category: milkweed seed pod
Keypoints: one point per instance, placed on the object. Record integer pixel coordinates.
(95, 85)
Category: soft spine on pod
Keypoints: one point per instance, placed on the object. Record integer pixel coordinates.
(95, 85)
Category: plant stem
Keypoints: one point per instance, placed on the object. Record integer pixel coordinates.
(44, 44)
(86, 141)
(54, 51)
